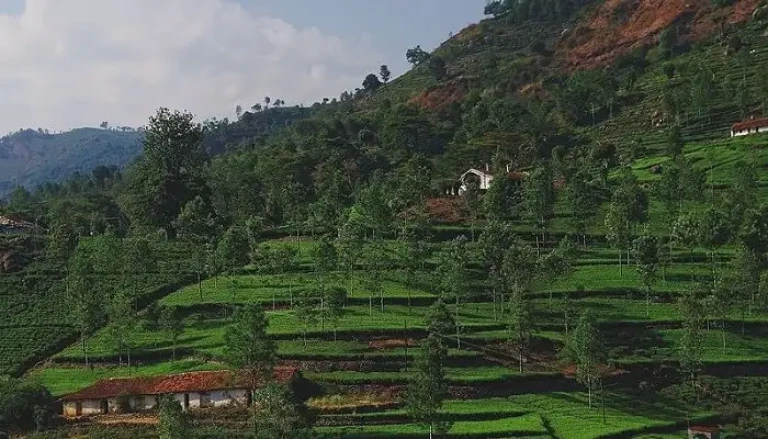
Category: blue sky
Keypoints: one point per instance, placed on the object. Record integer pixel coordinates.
(77, 62)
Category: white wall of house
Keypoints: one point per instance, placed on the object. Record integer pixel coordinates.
(89, 407)
(747, 132)
(218, 398)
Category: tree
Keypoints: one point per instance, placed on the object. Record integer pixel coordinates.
(371, 83)
(233, 249)
(138, 260)
(197, 226)
(385, 74)
(714, 232)
(645, 251)
(668, 41)
(24, 406)
(585, 349)
(122, 323)
(582, 198)
(619, 229)
(495, 239)
(520, 270)
(628, 207)
(335, 299)
(427, 388)
(452, 270)
(307, 310)
(173, 421)
(675, 142)
(437, 67)
(416, 56)
(169, 174)
(326, 260)
(267, 101)
(539, 195)
(501, 198)
(279, 415)
(87, 308)
(744, 281)
(248, 347)
(238, 111)
(693, 312)
(440, 321)
(172, 325)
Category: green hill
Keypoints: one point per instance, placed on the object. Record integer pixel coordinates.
(30, 158)
(638, 239)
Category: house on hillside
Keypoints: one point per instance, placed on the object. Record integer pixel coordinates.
(193, 390)
(701, 432)
(750, 126)
(482, 179)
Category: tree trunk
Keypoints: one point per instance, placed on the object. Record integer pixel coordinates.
(200, 285)
(621, 271)
(85, 350)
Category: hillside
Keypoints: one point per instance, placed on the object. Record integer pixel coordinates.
(618, 289)
(30, 158)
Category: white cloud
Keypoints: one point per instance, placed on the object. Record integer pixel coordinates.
(68, 63)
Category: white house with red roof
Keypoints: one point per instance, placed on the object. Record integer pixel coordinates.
(749, 127)
(193, 390)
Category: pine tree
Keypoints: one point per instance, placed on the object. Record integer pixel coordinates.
(173, 421)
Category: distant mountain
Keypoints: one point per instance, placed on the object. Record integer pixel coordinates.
(30, 158)
(33, 157)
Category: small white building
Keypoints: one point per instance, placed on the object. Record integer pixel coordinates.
(484, 178)
(193, 390)
(749, 127)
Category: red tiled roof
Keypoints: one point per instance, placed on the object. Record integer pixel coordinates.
(704, 429)
(750, 124)
(180, 383)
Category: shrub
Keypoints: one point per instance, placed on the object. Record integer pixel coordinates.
(24, 406)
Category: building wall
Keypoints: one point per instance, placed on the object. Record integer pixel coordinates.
(90, 407)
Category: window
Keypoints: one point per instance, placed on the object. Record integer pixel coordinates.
(205, 400)
(139, 404)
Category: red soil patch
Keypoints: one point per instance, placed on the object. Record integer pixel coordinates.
(442, 96)
(620, 26)
(446, 210)
(391, 343)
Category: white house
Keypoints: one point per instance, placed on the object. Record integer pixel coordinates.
(483, 179)
(751, 126)
(193, 390)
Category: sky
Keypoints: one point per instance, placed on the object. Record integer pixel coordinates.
(73, 63)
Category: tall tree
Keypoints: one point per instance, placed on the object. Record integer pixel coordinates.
(440, 322)
(87, 308)
(248, 347)
(122, 323)
(171, 323)
(539, 196)
(645, 251)
(715, 231)
(385, 74)
(173, 421)
(416, 55)
(582, 197)
(169, 174)
(452, 270)
(586, 350)
(520, 270)
(279, 415)
(427, 388)
(693, 312)
(197, 226)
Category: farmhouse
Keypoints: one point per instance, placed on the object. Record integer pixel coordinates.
(193, 390)
(749, 127)
(701, 432)
(483, 179)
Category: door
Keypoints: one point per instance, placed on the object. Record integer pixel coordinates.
(186, 401)
(104, 407)
(78, 408)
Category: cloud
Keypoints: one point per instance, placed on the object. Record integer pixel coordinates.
(69, 63)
